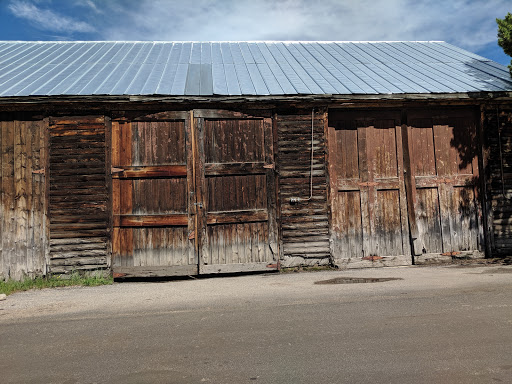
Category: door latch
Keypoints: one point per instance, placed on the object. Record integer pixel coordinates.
(200, 205)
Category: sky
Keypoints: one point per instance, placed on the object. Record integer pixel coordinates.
(469, 24)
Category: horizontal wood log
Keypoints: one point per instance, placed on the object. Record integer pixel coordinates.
(221, 169)
(88, 120)
(306, 238)
(78, 247)
(232, 217)
(84, 218)
(78, 241)
(67, 269)
(80, 261)
(57, 227)
(225, 114)
(98, 190)
(120, 172)
(89, 253)
(150, 220)
(72, 172)
(77, 178)
(73, 234)
(81, 198)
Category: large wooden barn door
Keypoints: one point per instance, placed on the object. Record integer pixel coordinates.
(152, 188)
(369, 208)
(235, 192)
(444, 170)
(193, 192)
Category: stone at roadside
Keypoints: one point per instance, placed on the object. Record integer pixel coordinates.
(3, 296)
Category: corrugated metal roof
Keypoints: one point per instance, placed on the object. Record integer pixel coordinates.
(243, 68)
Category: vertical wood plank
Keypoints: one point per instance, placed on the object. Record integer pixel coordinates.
(410, 189)
(115, 143)
(365, 198)
(189, 156)
(21, 211)
(198, 129)
(485, 184)
(269, 137)
(108, 177)
(45, 164)
(3, 209)
(29, 148)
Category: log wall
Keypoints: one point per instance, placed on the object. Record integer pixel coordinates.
(304, 225)
(497, 126)
(78, 195)
(22, 183)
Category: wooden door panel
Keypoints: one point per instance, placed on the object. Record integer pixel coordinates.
(428, 218)
(238, 244)
(151, 178)
(444, 164)
(236, 192)
(234, 140)
(388, 238)
(463, 223)
(368, 193)
(158, 143)
(347, 225)
(236, 164)
(159, 246)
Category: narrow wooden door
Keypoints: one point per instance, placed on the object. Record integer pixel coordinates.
(235, 187)
(369, 209)
(444, 167)
(152, 189)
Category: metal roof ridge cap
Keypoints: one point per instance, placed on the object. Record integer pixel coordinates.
(220, 41)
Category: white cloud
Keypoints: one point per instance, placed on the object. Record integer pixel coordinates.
(466, 23)
(88, 4)
(47, 19)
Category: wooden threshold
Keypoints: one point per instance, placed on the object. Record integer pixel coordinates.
(242, 267)
(157, 271)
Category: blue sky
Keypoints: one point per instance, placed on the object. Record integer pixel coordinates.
(469, 24)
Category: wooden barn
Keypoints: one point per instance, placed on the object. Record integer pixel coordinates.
(184, 158)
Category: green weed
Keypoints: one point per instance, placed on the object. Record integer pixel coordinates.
(75, 279)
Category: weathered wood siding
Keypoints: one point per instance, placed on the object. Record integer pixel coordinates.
(22, 183)
(78, 196)
(304, 225)
(497, 127)
(368, 197)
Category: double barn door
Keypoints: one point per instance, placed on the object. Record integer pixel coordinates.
(402, 189)
(193, 192)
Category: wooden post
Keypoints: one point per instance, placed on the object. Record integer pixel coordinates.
(410, 190)
(108, 177)
(484, 173)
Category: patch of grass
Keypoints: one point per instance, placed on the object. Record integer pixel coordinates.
(75, 279)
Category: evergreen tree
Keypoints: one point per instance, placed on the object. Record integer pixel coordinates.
(505, 36)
